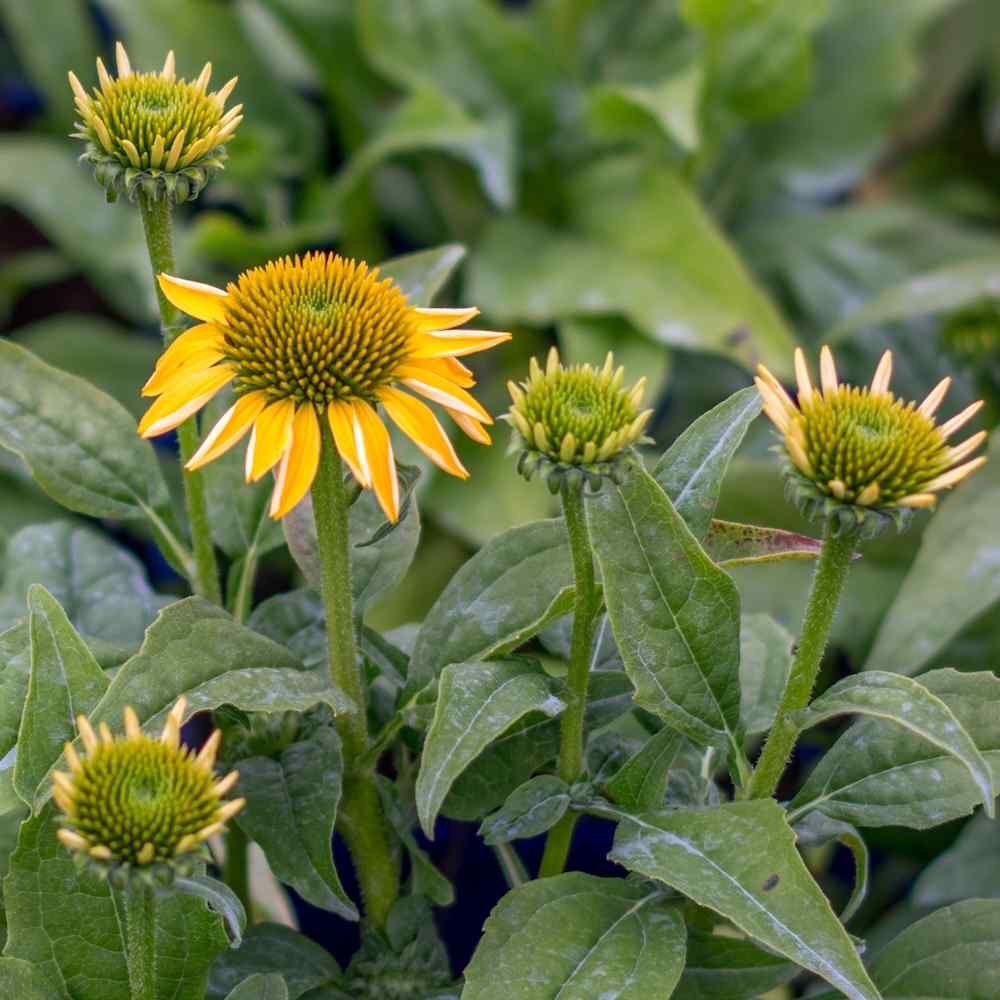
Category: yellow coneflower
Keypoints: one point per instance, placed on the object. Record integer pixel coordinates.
(574, 422)
(139, 802)
(315, 338)
(863, 446)
(153, 132)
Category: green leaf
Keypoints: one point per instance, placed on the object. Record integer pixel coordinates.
(221, 899)
(297, 620)
(102, 586)
(953, 580)
(513, 758)
(15, 671)
(726, 968)
(969, 869)
(578, 937)
(261, 986)
(23, 981)
(42, 180)
(374, 568)
(878, 775)
(674, 613)
(64, 922)
(691, 470)
(643, 246)
(506, 593)
(733, 544)
(476, 703)
(942, 290)
(422, 275)
(907, 703)
(292, 802)
(531, 809)
(765, 662)
(740, 860)
(273, 948)
(65, 682)
(816, 830)
(953, 953)
(98, 465)
(642, 782)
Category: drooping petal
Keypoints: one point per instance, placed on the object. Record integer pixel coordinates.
(185, 397)
(298, 466)
(165, 377)
(202, 301)
(443, 319)
(340, 416)
(457, 343)
(375, 452)
(449, 368)
(417, 422)
(272, 432)
(229, 429)
(472, 428)
(443, 391)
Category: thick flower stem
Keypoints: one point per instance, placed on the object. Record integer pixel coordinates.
(585, 610)
(140, 935)
(828, 584)
(360, 819)
(159, 243)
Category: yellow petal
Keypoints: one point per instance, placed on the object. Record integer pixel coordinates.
(418, 423)
(375, 454)
(802, 377)
(299, 464)
(194, 298)
(883, 373)
(272, 433)
(827, 371)
(445, 367)
(473, 428)
(340, 416)
(934, 398)
(953, 476)
(186, 396)
(442, 391)
(960, 419)
(166, 377)
(457, 343)
(229, 429)
(443, 319)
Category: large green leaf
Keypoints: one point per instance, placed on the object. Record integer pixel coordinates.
(969, 869)
(740, 860)
(907, 703)
(261, 986)
(81, 446)
(23, 981)
(421, 275)
(268, 948)
(506, 593)
(41, 179)
(674, 613)
(578, 937)
(65, 682)
(297, 620)
(476, 702)
(643, 246)
(641, 783)
(879, 775)
(721, 967)
(530, 810)
(15, 671)
(953, 580)
(954, 953)
(64, 922)
(691, 470)
(765, 662)
(374, 567)
(292, 800)
(102, 586)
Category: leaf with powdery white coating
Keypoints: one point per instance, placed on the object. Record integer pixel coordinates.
(765, 662)
(675, 615)
(641, 783)
(879, 775)
(514, 586)
(722, 967)
(740, 860)
(23, 980)
(476, 703)
(907, 703)
(531, 809)
(691, 470)
(579, 937)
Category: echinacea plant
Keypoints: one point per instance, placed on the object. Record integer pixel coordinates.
(594, 665)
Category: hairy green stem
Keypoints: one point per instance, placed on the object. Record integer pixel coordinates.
(360, 819)
(828, 584)
(140, 942)
(159, 242)
(585, 608)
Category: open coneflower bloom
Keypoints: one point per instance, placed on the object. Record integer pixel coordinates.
(315, 339)
(864, 446)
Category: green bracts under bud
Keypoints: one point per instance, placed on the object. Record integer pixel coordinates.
(152, 134)
(575, 423)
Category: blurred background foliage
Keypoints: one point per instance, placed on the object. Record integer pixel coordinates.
(695, 184)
